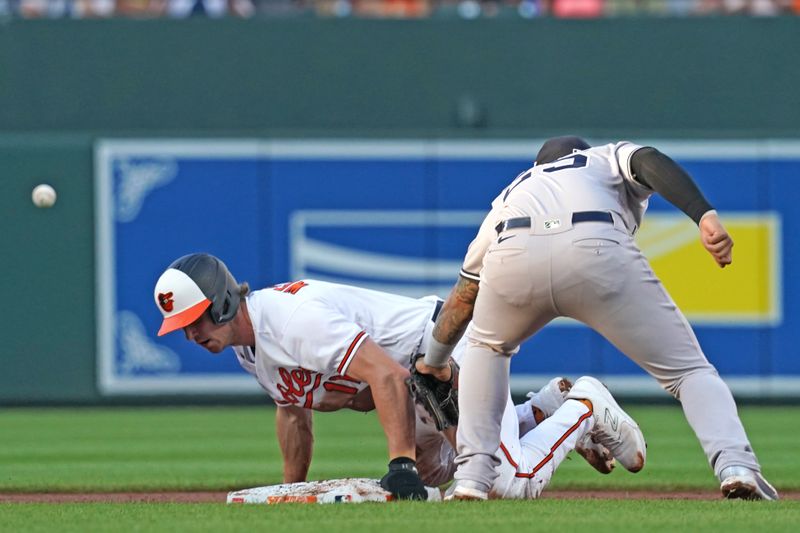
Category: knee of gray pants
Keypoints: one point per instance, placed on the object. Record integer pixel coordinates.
(498, 347)
(672, 383)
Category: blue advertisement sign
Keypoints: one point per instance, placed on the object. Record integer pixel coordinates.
(397, 216)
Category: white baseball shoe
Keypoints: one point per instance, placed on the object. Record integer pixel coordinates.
(546, 401)
(550, 397)
(465, 490)
(542, 404)
(595, 454)
(613, 427)
(739, 482)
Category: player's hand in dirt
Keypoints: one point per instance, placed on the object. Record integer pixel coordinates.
(715, 239)
(403, 481)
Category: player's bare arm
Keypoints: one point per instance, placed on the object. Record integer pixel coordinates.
(456, 311)
(450, 326)
(386, 379)
(296, 438)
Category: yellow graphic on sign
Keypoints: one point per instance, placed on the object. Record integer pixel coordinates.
(745, 292)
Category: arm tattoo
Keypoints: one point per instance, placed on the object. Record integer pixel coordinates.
(456, 312)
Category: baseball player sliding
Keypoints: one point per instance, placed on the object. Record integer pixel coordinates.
(320, 346)
(558, 241)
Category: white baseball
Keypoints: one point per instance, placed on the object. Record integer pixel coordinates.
(43, 195)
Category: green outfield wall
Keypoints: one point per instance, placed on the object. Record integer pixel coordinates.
(699, 76)
(64, 84)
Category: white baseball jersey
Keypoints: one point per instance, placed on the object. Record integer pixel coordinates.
(308, 332)
(598, 178)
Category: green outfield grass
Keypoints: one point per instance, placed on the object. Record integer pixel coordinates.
(224, 448)
(72, 450)
(595, 516)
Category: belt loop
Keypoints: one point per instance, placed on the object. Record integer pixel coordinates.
(619, 224)
(436, 310)
(513, 223)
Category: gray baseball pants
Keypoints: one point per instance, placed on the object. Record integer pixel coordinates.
(595, 273)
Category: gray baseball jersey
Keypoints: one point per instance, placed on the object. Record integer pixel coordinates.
(558, 241)
(595, 179)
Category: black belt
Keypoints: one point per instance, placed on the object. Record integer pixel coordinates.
(578, 216)
(436, 310)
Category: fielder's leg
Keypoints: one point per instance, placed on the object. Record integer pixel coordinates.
(512, 304)
(484, 373)
(621, 298)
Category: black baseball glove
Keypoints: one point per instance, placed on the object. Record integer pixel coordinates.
(403, 481)
(438, 398)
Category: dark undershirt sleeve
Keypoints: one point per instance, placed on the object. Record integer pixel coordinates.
(657, 171)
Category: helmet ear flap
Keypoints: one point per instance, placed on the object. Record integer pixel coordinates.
(225, 303)
(228, 305)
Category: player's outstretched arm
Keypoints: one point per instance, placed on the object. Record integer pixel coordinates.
(386, 378)
(666, 177)
(296, 439)
(715, 239)
(387, 381)
(450, 326)
(657, 171)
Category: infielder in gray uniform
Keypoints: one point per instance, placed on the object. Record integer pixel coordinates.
(558, 241)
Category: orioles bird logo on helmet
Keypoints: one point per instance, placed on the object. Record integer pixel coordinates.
(165, 301)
